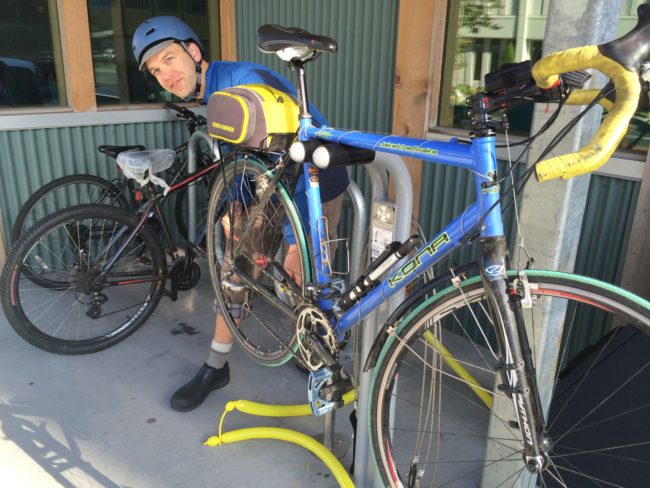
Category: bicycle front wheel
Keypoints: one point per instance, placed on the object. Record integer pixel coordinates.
(260, 317)
(65, 192)
(438, 416)
(89, 304)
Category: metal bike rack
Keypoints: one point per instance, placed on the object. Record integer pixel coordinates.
(335, 443)
(379, 170)
(193, 148)
(384, 165)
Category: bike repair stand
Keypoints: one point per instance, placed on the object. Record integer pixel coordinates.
(385, 213)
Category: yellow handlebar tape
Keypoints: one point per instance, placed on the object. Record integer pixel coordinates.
(613, 128)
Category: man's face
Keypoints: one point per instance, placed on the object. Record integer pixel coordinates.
(174, 68)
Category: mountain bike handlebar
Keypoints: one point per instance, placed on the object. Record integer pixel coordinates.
(186, 113)
(621, 61)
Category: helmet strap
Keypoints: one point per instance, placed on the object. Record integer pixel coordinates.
(197, 66)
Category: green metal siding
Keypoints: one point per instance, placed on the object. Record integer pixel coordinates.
(607, 222)
(31, 158)
(352, 88)
(606, 226)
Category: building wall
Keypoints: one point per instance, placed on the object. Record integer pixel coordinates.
(30, 158)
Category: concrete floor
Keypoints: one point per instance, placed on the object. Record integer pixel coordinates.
(103, 420)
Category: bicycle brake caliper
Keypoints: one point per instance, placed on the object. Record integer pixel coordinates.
(521, 287)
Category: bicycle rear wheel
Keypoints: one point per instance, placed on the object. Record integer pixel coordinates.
(65, 192)
(88, 310)
(260, 317)
(437, 416)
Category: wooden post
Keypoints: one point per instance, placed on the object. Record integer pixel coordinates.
(228, 20)
(636, 270)
(77, 54)
(416, 56)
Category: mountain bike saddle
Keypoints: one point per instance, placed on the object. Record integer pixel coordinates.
(113, 151)
(143, 165)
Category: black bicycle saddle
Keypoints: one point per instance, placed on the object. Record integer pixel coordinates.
(272, 38)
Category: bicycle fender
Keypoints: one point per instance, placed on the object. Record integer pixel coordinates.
(410, 303)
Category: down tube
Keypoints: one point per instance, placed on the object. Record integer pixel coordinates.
(428, 255)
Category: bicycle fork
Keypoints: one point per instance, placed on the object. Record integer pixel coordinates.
(516, 368)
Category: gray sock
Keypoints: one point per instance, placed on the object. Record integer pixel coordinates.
(218, 354)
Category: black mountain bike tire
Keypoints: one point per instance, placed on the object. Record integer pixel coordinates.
(80, 316)
(106, 192)
(463, 454)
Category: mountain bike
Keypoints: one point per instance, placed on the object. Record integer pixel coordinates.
(462, 392)
(76, 189)
(86, 277)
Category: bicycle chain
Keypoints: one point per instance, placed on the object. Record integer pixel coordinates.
(262, 322)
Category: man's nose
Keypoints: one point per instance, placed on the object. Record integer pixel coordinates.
(165, 73)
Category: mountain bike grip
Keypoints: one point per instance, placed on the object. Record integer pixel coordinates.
(620, 60)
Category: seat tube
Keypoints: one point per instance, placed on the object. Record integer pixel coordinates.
(317, 226)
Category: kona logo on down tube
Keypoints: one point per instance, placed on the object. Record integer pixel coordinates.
(414, 263)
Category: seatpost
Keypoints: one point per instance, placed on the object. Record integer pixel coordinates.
(297, 66)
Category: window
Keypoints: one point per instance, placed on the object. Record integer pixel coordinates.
(112, 23)
(31, 66)
(482, 35)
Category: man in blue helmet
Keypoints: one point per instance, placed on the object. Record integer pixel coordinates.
(168, 49)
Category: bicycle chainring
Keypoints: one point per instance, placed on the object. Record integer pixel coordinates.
(312, 325)
(182, 277)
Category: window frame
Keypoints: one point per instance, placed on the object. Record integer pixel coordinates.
(78, 70)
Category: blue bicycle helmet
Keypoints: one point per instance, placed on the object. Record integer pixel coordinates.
(157, 33)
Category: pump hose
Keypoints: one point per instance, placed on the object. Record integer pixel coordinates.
(263, 410)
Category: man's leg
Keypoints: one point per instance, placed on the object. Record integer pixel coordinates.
(215, 372)
(332, 213)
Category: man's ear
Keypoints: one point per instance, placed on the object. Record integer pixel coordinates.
(194, 51)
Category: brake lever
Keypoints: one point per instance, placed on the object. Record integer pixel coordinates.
(575, 79)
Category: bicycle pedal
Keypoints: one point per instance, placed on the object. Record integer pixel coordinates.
(325, 389)
(317, 380)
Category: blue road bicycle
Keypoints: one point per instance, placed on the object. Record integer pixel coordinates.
(462, 392)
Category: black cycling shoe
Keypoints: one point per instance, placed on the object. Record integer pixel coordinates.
(191, 395)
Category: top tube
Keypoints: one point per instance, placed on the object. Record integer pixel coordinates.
(452, 152)
(479, 157)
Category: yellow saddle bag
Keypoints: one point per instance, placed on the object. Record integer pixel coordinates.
(257, 116)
